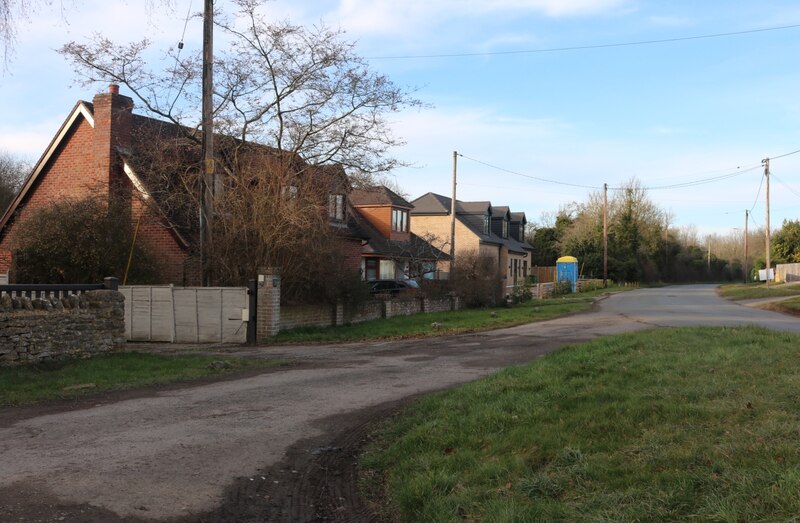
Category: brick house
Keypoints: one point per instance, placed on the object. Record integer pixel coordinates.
(492, 232)
(102, 149)
(390, 249)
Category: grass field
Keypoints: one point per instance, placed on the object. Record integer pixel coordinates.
(451, 322)
(74, 378)
(739, 291)
(664, 425)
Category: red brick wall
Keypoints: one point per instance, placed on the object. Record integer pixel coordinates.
(351, 250)
(85, 163)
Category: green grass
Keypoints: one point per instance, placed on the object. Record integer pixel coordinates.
(788, 306)
(452, 322)
(740, 291)
(665, 425)
(73, 378)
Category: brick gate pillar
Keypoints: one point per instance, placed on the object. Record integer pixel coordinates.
(269, 303)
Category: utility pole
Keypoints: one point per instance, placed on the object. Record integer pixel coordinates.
(453, 215)
(746, 219)
(605, 235)
(208, 178)
(765, 161)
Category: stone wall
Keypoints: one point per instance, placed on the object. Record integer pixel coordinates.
(41, 329)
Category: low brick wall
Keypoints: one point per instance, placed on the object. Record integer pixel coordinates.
(402, 307)
(441, 304)
(41, 329)
(293, 316)
(371, 310)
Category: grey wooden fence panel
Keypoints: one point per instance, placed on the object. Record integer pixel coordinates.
(185, 315)
(234, 300)
(149, 313)
(209, 315)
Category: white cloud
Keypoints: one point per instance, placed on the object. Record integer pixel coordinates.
(390, 17)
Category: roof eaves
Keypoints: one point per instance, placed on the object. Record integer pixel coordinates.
(80, 109)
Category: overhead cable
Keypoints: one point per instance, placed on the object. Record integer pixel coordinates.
(586, 47)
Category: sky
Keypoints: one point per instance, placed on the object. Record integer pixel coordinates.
(547, 100)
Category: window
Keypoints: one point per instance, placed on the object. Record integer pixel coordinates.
(487, 222)
(371, 269)
(399, 220)
(505, 228)
(336, 206)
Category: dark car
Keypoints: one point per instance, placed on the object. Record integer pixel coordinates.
(392, 287)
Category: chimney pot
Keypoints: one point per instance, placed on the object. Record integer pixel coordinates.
(113, 88)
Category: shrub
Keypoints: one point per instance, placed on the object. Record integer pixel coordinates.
(475, 279)
(78, 241)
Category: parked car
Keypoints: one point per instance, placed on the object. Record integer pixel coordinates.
(393, 287)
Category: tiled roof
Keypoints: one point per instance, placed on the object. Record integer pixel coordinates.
(378, 195)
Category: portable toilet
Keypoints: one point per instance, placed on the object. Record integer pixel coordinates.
(567, 269)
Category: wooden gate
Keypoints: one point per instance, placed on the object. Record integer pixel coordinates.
(185, 314)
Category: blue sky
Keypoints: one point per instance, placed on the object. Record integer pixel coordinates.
(664, 113)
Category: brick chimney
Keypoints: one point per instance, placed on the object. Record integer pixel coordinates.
(112, 132)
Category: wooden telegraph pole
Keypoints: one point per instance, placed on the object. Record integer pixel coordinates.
(746, 219)
(765, 161)
(208, 178)
(453, 215)
(605, 235)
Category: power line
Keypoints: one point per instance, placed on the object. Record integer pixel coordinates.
(788, 188)
(784, 155)
(594, 187)
(702, 181)
(587, 47)
(758, 194)
(546, 180)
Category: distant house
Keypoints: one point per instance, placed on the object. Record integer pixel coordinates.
(103, 149)
(390, 249)
(492, 232)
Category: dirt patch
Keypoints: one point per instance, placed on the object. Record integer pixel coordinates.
(317, 480)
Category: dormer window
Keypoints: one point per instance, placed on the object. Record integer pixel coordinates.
(522, 232)
(487, 224)
(399, 220)
(505, 228)
(336, 207)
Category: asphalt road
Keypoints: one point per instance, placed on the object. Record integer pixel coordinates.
(172, 453)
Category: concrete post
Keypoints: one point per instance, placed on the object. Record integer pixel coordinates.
(268, 321)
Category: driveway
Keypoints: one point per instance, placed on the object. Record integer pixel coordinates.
(192, 453)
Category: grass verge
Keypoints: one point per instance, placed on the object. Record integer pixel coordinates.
(751, 291)
(451, 322)
(73, 378)
(664, 425)
(790, 306)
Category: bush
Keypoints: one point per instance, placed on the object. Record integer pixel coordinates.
(522, 293)
(78, 241)
(475, 279)
(562, 288)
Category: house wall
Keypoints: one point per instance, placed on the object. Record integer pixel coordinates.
(439, 226)
(55, 182)
(379, 216)
(351, 252)
(86, 163)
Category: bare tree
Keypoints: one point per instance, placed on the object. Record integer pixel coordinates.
(13, 171)
(289, 102)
